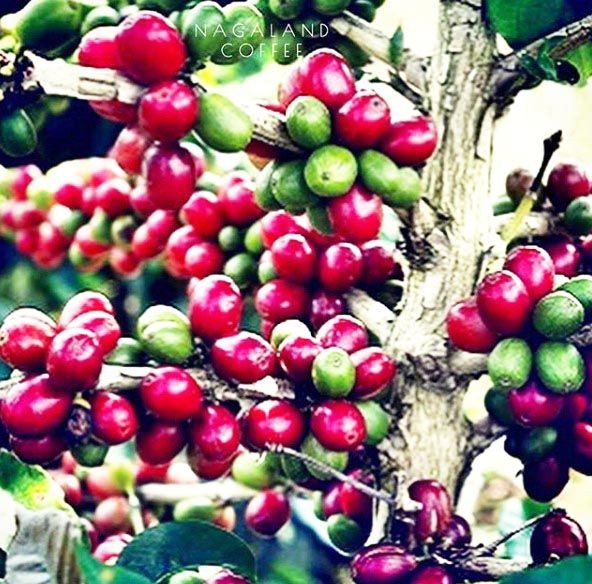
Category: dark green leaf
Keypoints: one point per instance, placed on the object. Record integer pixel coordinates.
(581, 59)
(571, 571)
(175, 546)
(396, 46)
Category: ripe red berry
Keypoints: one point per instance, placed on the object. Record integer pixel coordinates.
(140, 200)
(565, 255)
(159, 442)
(208, 470)
(503, 302)
(382, 564)
(280, 300)
(215, 306)
(534, 266)
(215, 433)
(88, 244)
(144, 244)
(353, 503)
(362, 120)
(340, 267)
(557, 536)
(171, 394)
(176, 249)
(374, 371)
(113, 197)
(324, 306)
(114, 418)
(237, 198)
(435, 514)
(204, 259)
(97, 48)
(71, 487)
(100, 483)
(466, 329)
(243, 358)
(566, 183)
(276, 224)
(38, 450)
(227, 577)
(293, 258)
(533, 406)
(343, 331)
(274, 422)
(431, 574)
(331, 503)
(170, 175)
(290, 87)
(129, 148)
(149, 47)
(378, 263)
(267, 512)
(296, 355)
(83, 302)
(33, 407)
(102, 324)
(410, 142)
(112, 516)
(124, 262)
(338, 425)
(545, 479)
(203, 211)
(111, 547)
(168, 110)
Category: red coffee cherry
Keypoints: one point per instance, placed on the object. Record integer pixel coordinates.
(237, 197)
(71, 487)
(244, 357)
(566, 183)
(114, 418)
(100, 483)
(146, 472)
(434, 517)
(430, 574)
(125, 263)
(274, 422)
(324, 306)
(296, 355)
(140, 200)
(374, 371)
(180, 241)
(112, 516)
(149, 47)
(215, 433)
(128, 150)
(103, 325)
(113, 197)
(203, 211)
(545, 479)
(281, 300)
(74, 360)
(38, 450)
(83, 302)
(534, 266)
(338, 425)
(293, 258)
(378, 263)
(97, 48)
(276, 224)
(171, 394)
(458, 533)
(204, 259)
(227, 577)
(557, 536)
(215, 307)
(345, 332)
(466, 329)
(382, 564)
(158, 442)
(331, 503)
(209, 470)
(33, 407)
(410, 142)
(111, 547)
(533, 406)
(340, 267)
(267, 512)
(565, 255)
(353, 503)
(168, 110)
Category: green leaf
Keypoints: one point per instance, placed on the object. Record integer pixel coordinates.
(175, 546)
(30, 486)
(571, 571)
(95, 572)
(396, 46)
(581, 59)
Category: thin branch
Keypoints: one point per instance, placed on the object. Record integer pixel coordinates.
(377, 317)
(493, 546)
(224, 491)
(534, 225)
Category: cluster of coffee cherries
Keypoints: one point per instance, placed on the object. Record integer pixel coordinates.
(352, 144)
(524, 316)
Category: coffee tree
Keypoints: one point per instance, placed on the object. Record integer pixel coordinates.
(315, 358)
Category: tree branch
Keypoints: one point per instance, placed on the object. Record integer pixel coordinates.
(378, 318)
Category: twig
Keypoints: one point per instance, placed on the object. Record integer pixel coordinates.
(378, 318)
(224, 491)
(494, 545)
(135, 512)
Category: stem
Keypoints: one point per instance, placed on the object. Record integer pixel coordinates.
(135, 512)
(492, 547)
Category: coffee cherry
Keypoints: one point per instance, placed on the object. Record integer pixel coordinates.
(566, 183)
(288, 328)
(215, 433)
(204, 259)
(33, 407)
(518, 183)
(128, 151)
(97, 48)
(274, 422)
(74, 360)
(433, 519)
(140, 200)
(534, 266)
(296, 355)
(82, 303)
(532, 406)
(374, 371)
(410, 142)
(215, 307)
(103, 325)
(71, 487)
(545, 479)
(324, 306)
(340, 267)
(458, 533)
(503, 302)
(203, 211)
(430, 574)
(112, 196)
(244, 357)
(112, 516)
(293, 258)
(140, 38)
(237, 198)
(38, 450)
(208, 470)
(331, 500)
(158, 442)
(333, 372)
(336, 460)
(280, 300)
(267, 512)
(114, 418)
(111, 547)
(466, 328)
(177, 246)
(276, 224)
(382, 564)
(227, 577)
(146, 472)
(557, 536)
(565, 255)
(171, 394)
(338, 425)
(353, 503)
(345, 332)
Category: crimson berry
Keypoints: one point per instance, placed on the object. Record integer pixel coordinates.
(325, 74)
(434, 517)
(215, 433)
(382, 564)
(141, 202)
(357, 215)
(113, 197)
(575, 407)
(124, 262)
(276, 224)
(208, 470)
(410, 142)
(503, 302)
(458, 533)
(293, 258)
(296, 355)
(25, 214)
(103, 325)
(25, 341)
(33, 407)
(204, 259)
(69, 192)
(215, 307)
(115, 111)
(355, 504)
(129, 148)
(26, 241)
(362, 120)
(237, 198)
(38, 450)
(111, 547)
(531, 405)
(203, 211)
(170, 175)
(430, 574)
(290, 87)
(374, 371)
(340, 267)
(159, 442)
(100, 483)
(267, 512)
(149, 47)
(567, 182)
(227, 577)
(243, 358)
(177, 246)
(534, 266)
(161, 224)
(74, 360)
(274, 422)
(545, 479)
(144, 244)
(97, 48)
(71, 487)
(146, 472)
(112, 515)
(565, 255)
(83, 302)
(171, 394)
(338, 425)
(466, 329)
(318, 239)
(280, 300)
(88, 244)
(114, 418)
(168, 110)
(379, 263)
(345, 332)
(324, 306)
(557, 536)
